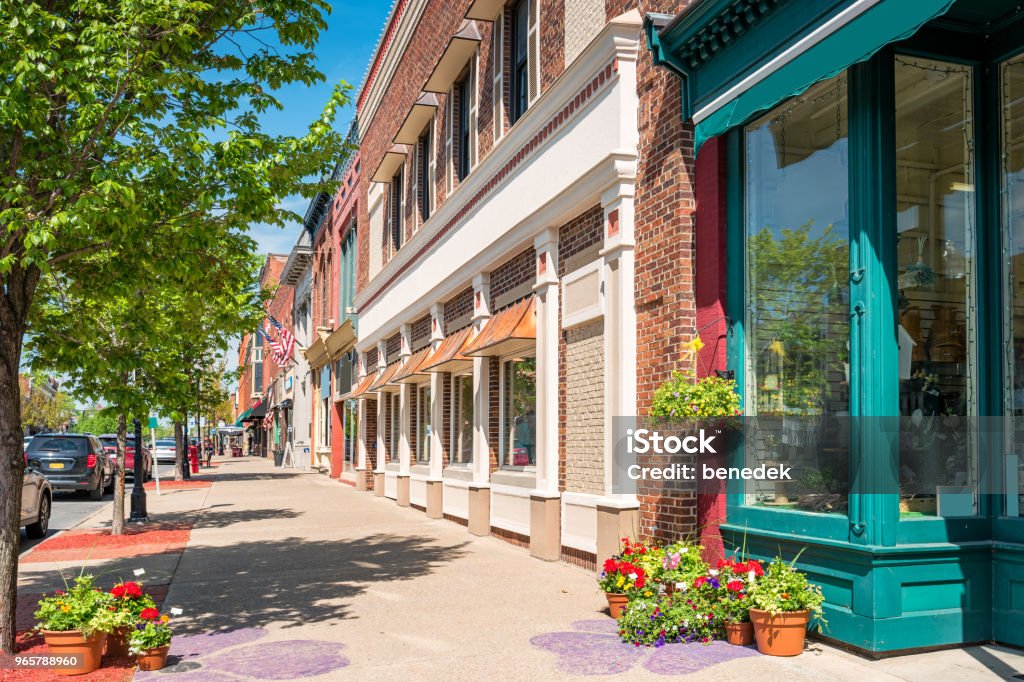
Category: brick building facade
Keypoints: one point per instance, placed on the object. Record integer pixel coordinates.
(528, 187)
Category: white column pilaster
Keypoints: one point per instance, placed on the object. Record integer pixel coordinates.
(481, 380)
(546, 289)
(436, 397)
(405, 403)
(382, 350)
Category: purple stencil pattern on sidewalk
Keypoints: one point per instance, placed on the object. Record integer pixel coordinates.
(231, 656)
(595, 649)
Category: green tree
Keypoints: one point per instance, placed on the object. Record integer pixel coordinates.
(41, 410)
(97, 422)
(123, 121)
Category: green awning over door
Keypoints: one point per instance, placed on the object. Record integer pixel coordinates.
(852, 32)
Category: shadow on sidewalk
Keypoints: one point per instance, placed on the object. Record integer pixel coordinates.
(294, 581)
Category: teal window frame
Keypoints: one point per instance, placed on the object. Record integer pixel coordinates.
(873, 520)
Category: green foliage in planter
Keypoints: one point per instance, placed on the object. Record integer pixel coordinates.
(682, 562)
(83, 606)
(684, 398)
(680, 617)
(783, 588)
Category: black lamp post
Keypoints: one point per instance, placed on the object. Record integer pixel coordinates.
(139, 514)
(186, 472)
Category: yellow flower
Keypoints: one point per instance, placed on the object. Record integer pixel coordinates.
(65, 608)
(164, 618)
(695, 345)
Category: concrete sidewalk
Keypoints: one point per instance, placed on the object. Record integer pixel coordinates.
(289, 575)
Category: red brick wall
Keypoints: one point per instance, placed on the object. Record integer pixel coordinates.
(281, 308)
(370, 420)
(579, 234)
(459, 306)
(512, 273)
(394, 347)
(420, 333)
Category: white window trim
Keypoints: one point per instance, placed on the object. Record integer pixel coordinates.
(421, 437)
(395, 401)
(503, 440)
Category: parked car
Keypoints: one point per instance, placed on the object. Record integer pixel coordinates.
(26, 441)
(72, 461)
(109, 443)
(36, 503)
(165, 450)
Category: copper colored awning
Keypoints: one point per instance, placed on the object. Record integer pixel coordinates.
(363, 387)
(512, 330)
(449, 356)
(384, 382)
(412, 372)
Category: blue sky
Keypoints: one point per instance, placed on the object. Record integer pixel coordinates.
(343, 53)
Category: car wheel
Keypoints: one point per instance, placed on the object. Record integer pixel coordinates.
(109, 488)
(38, 529)
(96, 493)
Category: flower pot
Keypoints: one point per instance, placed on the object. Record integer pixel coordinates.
(153, 659)
(88, 650)
(781, 634)
(616, 602)
(740, 634)
(117, 643)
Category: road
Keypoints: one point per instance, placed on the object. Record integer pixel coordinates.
(71, 508)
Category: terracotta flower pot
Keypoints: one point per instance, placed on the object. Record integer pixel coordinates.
(782, 634)
(117, 643)
(153, 659)
(88, 650)
(616, 602)
(740, 634)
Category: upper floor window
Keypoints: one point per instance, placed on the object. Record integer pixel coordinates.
(519, 60)
(464, 96)
(395, 215)
(423, 174)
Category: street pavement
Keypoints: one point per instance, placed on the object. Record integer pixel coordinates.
(290, 575)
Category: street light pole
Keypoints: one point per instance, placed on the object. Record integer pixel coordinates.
(139, 514)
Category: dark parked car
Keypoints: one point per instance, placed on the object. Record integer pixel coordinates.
(72, 461)
(109, 443)
(36, 503)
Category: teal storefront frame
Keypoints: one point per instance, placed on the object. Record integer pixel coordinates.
(891, 584)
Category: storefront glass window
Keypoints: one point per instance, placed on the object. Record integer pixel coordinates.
(519, 411)
(351, 416)
(936, 273)
(396, 422)
(1012, 155)
(423, 424)
(463, 452)
(797, 317)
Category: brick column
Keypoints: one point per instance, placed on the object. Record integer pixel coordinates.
(435, 485)
(404, 421)
(480, 488)
(545, 500)
(378, 472)
(618, 514)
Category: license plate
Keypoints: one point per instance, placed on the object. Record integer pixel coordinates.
(56, 465)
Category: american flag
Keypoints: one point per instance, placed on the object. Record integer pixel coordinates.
(268, 421)
(276, 347)
(287, 338)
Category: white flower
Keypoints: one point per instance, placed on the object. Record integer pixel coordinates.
(683, 550)
(750, 577)
(681, 586)
(632, 576)
(712, 572)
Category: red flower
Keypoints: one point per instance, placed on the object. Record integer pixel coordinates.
(610, 566)
(755, 566)
(699, 581)
(149, 614)
(132, 590)
(734, 586)
(59, 592)
(117, 591)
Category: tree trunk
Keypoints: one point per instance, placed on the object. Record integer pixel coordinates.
(17, 288)
(117, 527)
(178, 457)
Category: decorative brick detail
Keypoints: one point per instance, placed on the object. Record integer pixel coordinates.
(446, 419)
(458, 307)
(420, 333)
(371, 360)
(370, 427)
(456, 519)
(552, 41)
(511, 537)
(580, 239)
(512, 273)
(393, 347)
(494, 412)
(584, 411)
(613, 223)
(413, 438)
(579, 557)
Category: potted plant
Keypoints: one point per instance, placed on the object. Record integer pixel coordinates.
(681, 563)
(622, 575)
(685, 398)
(733, 605)
(74, 623)
(150, 640)
(684, 616)
(128, 601)
(782, 603)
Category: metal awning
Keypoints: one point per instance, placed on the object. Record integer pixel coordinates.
(363, 388)
(511, 330)
(412, 371)
(737, 63)
(449, 356)
(383, 383)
